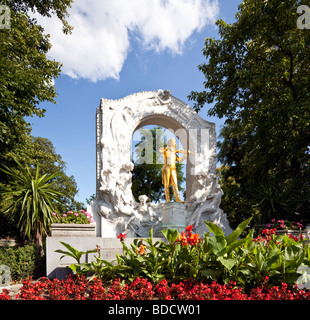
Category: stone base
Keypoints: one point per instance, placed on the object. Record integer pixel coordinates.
(173, 216)
(56, 268)
(8, 243)
(73, 230)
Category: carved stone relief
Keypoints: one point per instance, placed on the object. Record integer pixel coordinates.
(115, 209)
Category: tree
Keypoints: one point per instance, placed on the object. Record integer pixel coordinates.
(233, 201)
(41, 150)
(45, 8)
(257, 77)
(147, 177)
(26, 80)
(26, 74)
(33, 198)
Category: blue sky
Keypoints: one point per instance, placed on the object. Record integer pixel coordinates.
(113, 54)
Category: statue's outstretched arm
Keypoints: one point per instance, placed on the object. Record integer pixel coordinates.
(183, 158)
(184, 151)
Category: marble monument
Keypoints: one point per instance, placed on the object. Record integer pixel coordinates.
(114, 209)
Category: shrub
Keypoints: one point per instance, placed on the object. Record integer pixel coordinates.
(286, 225)
(81, 216)
(23, 261)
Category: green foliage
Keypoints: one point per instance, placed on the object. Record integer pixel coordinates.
(79, 268)
(81, 217)
(170, 234)
(33, 198)
(234, 200)
(38, 150)
(256, 77)
(23, 261)
(72, 252)
(26, 74)
(25, 80)
(41, 150)
(106, 270)
(217, 257)
(45, 8)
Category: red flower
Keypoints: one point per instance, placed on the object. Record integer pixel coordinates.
(122, 236)
(300, 237)
(188, 238)
(80, 288)
(269, 231)
(188, 230)
(182, 239)
(194, 239)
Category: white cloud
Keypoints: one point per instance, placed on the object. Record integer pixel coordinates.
(100, 41)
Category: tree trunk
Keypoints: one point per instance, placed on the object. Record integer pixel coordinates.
(39, 241)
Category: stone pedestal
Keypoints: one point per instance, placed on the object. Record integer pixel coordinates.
(173, 216)
(58, 268)
(73, 230)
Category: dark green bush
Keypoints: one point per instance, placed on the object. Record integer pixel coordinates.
(23, 261)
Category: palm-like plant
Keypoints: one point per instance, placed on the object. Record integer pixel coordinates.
(33, 198)
(272, 201)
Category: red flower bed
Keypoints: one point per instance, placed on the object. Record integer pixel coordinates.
(4, 295)
(79, 288)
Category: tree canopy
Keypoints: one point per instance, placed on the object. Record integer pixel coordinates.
(26, 74)
(26, 81)
(257, 77)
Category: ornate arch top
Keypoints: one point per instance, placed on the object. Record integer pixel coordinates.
(118, 119)
(156, 102)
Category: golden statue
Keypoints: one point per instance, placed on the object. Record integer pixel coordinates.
(169, 169)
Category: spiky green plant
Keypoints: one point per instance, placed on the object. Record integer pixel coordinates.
(32, 197)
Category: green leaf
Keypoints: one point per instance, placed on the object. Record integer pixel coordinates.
(81, 268)
(170, 234)
(74, 253)
(237, 232)
(210, 273)
(218, 244)
(74, 268)
(227, 263)
(234, 245)
(151, 235)
(272, 262)
(215, 229)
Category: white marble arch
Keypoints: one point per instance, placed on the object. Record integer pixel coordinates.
(114, 208)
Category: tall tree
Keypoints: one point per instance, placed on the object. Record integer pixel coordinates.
(257, 76)
(26, 74)
(26, 80)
